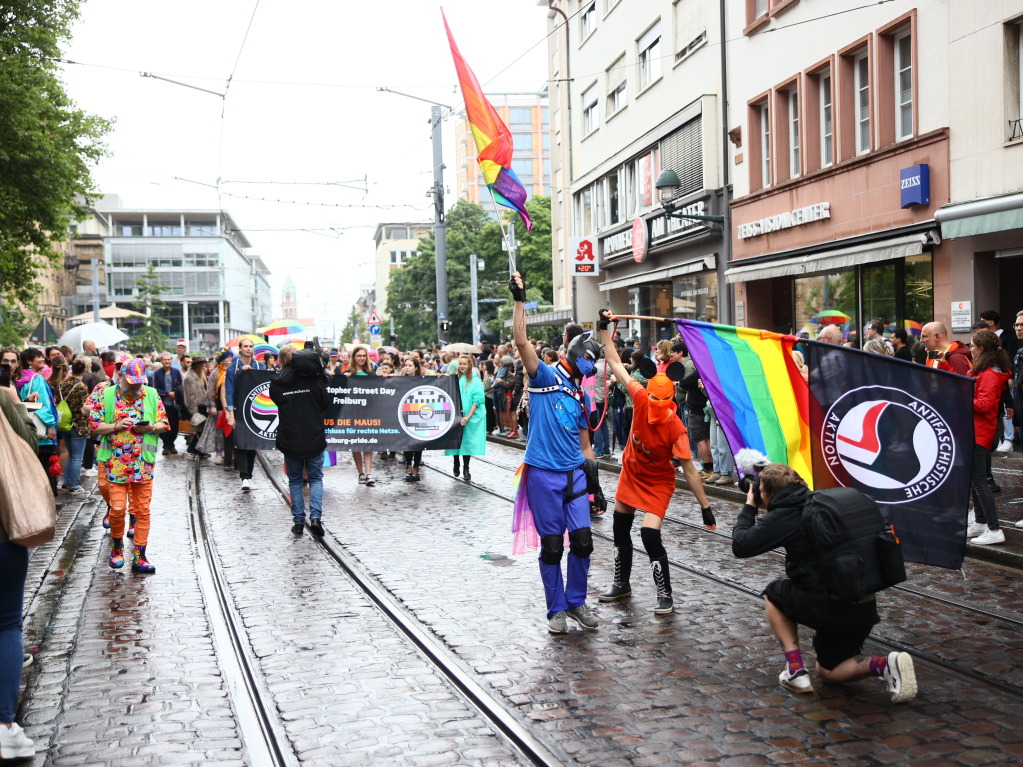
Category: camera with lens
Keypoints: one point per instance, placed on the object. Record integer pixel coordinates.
(746, 482)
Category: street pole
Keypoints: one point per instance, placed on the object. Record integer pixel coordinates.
(186, 335)
(439, 234)
(95, 289)
(474, 299)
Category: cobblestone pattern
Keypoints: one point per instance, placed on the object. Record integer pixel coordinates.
(127, 673)
(696, 687)
(348, 687)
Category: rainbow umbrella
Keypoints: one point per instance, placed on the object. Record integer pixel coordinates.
(238, 339)
(283, 328)
(831, 317)
(261, 349)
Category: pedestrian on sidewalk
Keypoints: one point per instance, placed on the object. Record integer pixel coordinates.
(361, 366)
(32, 387)
(193, 384)
(647, 480)
(300, 393)
(244, 460)
(223, 452)
(799, 599)
(168, 382)
(554, 483)
(73, 391)
(130, 417)
(474, 420)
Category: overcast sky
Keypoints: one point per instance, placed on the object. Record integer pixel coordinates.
(302, 106)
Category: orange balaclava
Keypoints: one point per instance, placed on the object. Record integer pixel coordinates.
(660, 399)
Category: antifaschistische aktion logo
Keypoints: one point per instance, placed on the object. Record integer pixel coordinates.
(260, 412)
(887, 443)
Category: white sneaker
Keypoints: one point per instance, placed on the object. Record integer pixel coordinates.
(990, 537)
(219, 460)
(973, 529)
(798, 682)
(1004, 446)
(246, 485)
(1020, 524)
(14, 743)
(78, 491)
(362, 479)
(89, 472)
(900, 677)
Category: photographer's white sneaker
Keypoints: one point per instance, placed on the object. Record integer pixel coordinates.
(798, 682)
(990, 537)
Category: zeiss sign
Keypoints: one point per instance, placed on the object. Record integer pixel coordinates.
(915, 185)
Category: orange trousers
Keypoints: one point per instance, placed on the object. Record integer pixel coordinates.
(101, 481)
(136, 494)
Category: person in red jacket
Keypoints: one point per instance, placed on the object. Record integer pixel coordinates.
(944, 354)
(991, 369)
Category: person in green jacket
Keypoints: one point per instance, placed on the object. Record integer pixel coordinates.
(474, 421)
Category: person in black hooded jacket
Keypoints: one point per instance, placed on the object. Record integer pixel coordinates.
(300, 393)
(800, 599)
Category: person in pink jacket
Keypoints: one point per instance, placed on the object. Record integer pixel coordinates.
(991, 369)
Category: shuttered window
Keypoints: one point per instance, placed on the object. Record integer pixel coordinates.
(690, 26)
(682, 152)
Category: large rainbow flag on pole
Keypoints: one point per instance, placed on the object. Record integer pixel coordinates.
(758, 393)
(493, 140)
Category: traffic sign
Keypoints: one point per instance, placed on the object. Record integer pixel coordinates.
(374, 318)
(374, 330)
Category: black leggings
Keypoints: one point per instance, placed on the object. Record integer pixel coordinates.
(414, 458)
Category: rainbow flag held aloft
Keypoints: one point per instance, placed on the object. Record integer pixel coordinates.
(758, 393)
(493, 139)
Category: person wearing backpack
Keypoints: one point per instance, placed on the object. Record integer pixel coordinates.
(800, 599)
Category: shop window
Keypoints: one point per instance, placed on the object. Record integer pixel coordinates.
(918, 284)
(648, 48)
(834, 292)
(695, 296)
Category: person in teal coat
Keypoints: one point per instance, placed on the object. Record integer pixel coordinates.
(474, 420)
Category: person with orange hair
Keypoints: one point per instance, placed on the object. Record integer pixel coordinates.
(647, 480)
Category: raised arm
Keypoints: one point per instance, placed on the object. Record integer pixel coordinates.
(530, 362)
(610, 352)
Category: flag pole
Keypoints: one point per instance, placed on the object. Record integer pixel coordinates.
(509, 242)
(641, 317)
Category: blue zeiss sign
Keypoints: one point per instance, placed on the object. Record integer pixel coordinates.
(915, 185)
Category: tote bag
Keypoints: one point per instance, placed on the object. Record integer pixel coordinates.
(27, 508)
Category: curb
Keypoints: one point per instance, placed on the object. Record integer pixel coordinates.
(988, 554)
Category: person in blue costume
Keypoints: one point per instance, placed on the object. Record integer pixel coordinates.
(559, 469)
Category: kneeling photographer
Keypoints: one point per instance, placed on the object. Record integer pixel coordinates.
(800, 599)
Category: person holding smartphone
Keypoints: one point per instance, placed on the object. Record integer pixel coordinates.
(129, 418)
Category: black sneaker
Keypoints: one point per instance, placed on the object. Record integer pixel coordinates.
(296, 529)
(316, 528)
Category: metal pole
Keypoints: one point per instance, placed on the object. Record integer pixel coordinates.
(439, 234)
(223, 339)
(726, 293)
(95, 289)
(473, 299)
(186, 335)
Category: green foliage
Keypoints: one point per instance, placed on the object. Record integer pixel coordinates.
(46, 143)
(412, 292)
(150, 301)
(355, 327)
(15, 325)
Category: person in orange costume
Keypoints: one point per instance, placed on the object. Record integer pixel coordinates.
(647, 481)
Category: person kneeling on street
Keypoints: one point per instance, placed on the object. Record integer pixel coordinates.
(799, 599)
(300, 393)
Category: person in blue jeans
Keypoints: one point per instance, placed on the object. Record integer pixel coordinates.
(300, 393)
(74, 391)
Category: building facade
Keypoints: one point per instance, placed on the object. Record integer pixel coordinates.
(395, 243)
(636, 90)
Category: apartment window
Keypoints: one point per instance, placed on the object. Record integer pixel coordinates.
(609, 6)
(793, 125)
(861, 91)
(523, 169)
(827, 125)
(903, 86)
(546, 142)
(585, 211)
(522, 142)
(649, 47)
(590, 114)
(690, 20)
(520, 116)
(616, 81)
(760, 9)
(765, 144)
(588, 22)
(682, 152)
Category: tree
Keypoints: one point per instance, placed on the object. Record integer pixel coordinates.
(412, 293)
(46, 144)
(15, 324)
(150, 302)
(355, 327)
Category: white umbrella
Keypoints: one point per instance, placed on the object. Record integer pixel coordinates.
(100, 332)
(460, 348)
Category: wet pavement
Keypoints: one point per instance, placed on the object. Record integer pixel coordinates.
(131, 669)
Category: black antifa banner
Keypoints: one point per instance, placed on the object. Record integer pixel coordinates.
(366, 414)
(902, 433)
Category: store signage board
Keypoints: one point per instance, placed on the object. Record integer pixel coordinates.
(962, 316)
(790, 218)
(640, 241)
(915, 185)
(584, 259)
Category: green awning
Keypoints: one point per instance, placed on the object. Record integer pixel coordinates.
(970, 226)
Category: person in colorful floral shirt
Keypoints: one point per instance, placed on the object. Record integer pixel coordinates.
(95, 401)
(129, 415)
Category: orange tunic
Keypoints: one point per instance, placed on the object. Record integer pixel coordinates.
(648, 476)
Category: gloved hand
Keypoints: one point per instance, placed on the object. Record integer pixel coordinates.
(708, 519)
(517, 285)
(603, 319)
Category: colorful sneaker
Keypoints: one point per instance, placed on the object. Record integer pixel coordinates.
(14, 743)
(900, 677)
(106, 520)
(139, 563)
(798, 682)
(131, 526)
(117, 554)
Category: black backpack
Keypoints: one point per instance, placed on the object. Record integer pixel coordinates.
(859, 552)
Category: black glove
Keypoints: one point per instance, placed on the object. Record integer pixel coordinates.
(518, 294)
(708, 519)
(603, 319)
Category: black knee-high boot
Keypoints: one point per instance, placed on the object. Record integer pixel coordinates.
(659, 566)
(620, 588)
(456, 467)
(465, 468)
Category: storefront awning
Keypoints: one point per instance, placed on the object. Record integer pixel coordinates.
(555, 317)
(704, 263)
(830, 260)
(993, 214)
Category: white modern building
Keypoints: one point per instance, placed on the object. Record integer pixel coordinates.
(395, 243)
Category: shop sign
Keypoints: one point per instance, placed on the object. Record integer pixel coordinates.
(962, 316)
(798, 217)
(915, 185)
(584, 261)
(640, 241)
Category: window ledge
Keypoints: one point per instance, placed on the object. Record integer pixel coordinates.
(622, 108)
(582, 139)
(650, 85)
(689, 53)
(611, 10)
(757, 24)
(587, 38)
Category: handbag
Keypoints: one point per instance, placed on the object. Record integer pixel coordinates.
(197, 421)
(27, 509)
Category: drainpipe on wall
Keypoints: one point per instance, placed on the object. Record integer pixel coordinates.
(726, 294)
(568, 112)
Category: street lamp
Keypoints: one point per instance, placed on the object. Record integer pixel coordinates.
(667, 187)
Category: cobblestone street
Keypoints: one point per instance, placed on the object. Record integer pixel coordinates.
(133, 669)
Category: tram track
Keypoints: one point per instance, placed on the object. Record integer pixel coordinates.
(439, 656)
(1008, 688)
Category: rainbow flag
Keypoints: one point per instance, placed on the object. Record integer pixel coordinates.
(758, 393)
(493, 140)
